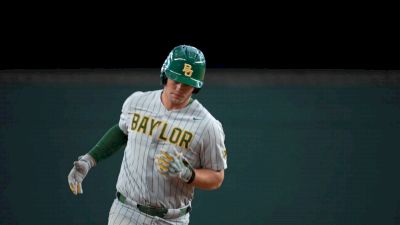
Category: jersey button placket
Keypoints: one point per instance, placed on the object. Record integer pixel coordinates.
(152, 152)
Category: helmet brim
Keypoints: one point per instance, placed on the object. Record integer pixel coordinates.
(183, 79)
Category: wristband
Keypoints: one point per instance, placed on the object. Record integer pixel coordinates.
(192, 177)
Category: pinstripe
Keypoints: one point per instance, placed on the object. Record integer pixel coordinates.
(188, 190)
(173, 183)
(191, 130)
(212, 142)
(202, 137)
(155, 175)
(143, 152)
(158, 115)
(121, 222)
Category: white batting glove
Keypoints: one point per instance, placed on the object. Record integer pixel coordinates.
(174, 165)
(79, 172)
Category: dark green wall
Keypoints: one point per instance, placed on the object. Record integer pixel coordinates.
(296, 155)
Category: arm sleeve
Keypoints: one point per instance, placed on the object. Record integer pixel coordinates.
(110, 143)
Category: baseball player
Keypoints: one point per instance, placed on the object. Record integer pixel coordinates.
(173, 145)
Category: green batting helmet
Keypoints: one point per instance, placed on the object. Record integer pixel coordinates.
(185, 64)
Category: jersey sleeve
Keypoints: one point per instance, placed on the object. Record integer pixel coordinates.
(214, 155)
(126, 108)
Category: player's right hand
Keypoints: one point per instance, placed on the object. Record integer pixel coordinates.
(79, 172)
(173, 164)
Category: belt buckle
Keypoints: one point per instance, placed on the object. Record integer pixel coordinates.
(153, 211)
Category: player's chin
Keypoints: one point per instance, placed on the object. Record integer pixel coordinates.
(177, 98)
(176, 101)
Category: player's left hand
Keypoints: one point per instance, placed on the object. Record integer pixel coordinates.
(174, 165)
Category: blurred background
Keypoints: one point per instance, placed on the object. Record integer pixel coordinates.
(311, 116)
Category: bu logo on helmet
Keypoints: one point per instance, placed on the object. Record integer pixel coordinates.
(187, 70)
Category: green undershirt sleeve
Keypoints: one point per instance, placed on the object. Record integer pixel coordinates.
(110, 143)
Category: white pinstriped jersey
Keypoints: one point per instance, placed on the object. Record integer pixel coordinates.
(150, 128)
